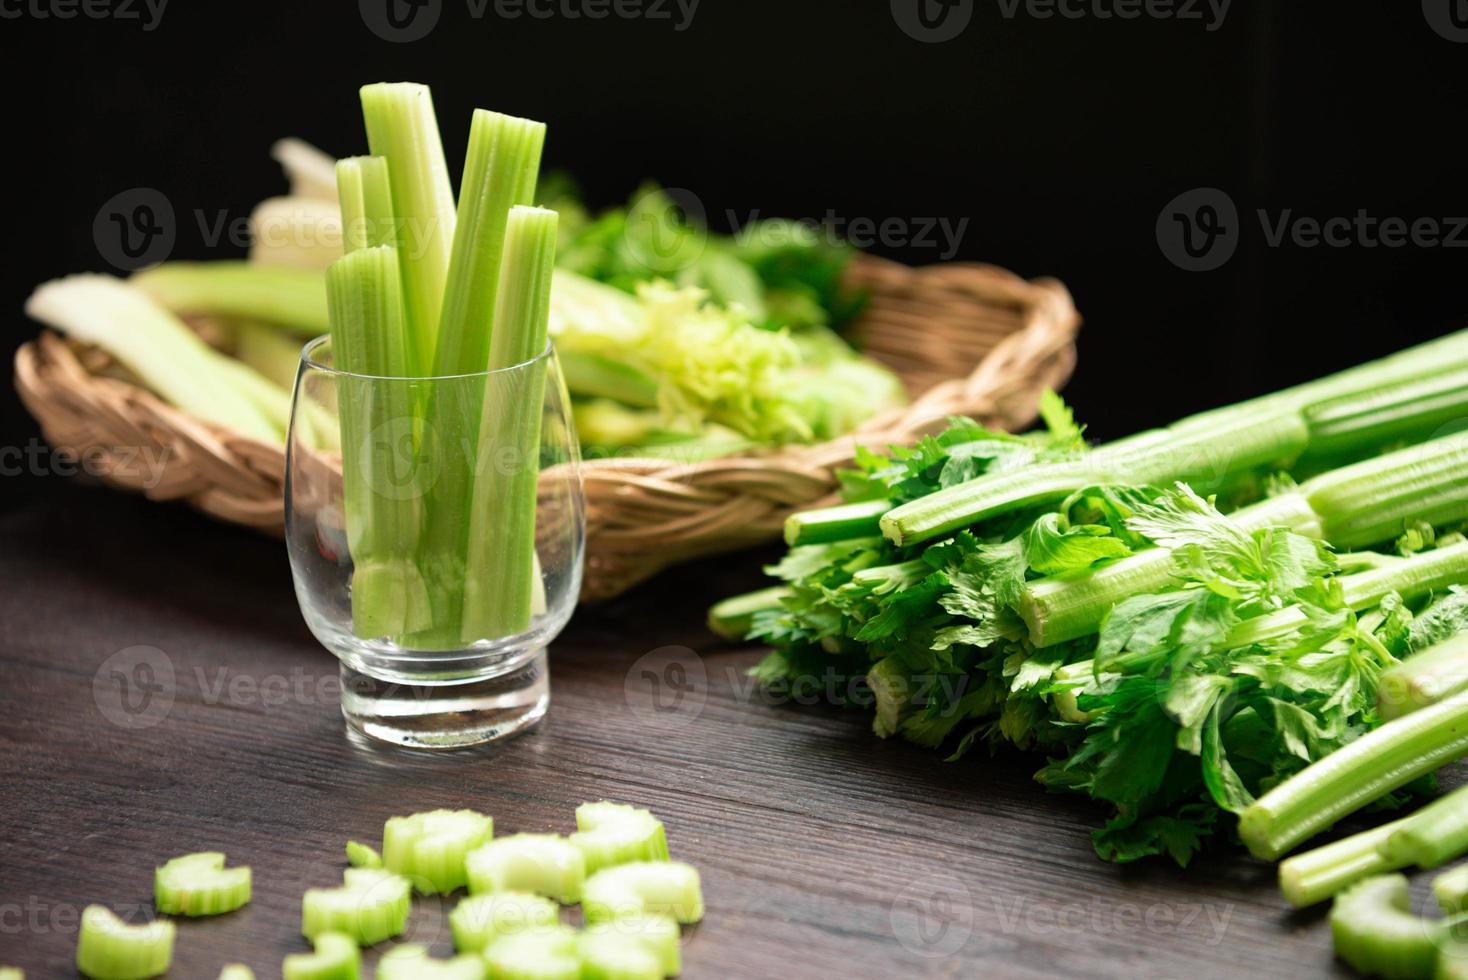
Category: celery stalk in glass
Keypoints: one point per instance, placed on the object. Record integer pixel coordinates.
(366, 202)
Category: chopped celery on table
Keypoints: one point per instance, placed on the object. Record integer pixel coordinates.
(411, 961)
(231, 971)
(615, 833)
(371, 905)
(669, 888)
(200, 884)
(1450, 889)
(659, 934)
(613, 956)
(477, 921)
(543, 954)
(1316, 875)
(1375, 932)
(541, 864)
(336, 957)
(361, 855)
(110, 949)
(429, 849)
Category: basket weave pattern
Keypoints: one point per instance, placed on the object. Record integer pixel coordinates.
(966, 339)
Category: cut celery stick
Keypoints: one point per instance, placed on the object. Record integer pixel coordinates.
(1375, 932)
(231, 971)
(336, 958)
(200, 884)
(362, 855)
(365, 192)
(370, 906)
(308, 169)
(412, 962)
(402, 128)
(733, 618)
(429, 848)
(610, 956)
(542, 864)
(302, 232)
(291, 297)
(479, 920)
(1316, 875)
(835, 523)
(109, 949)
(1433, 835)
(166, 355)
(658, 887)
(1426, 677)
(544, 954)
(1451, 890)
(659, 934)
(389, 596)
(499, 569)
(614, 833)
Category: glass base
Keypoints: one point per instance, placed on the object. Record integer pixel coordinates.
(449, 715)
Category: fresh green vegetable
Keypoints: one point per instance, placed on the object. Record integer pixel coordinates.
(669, 888)
(658, 934)
(402, 129)
(293, 298)
(610, 956)
(1426, 677)
(542, 864)
(166, 355)
(109, 949)
(1451, 890)
(362, 856)
(614, 833)
(543, 954)
(841, 523)
(1374, 931)
(231, 971)
(200, 884)
(389, 594)
(336, 957)
(270, 353)
(500, 576)
(371, 905)
(412, 962)
(1373, 765)
(1316, 875)
(295, 231)
(365, 191)
(1433, 835)
(734, 617)
(479, 920)
(429, 849)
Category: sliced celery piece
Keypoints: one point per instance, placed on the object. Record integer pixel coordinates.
(659, 887)
(1375, 932)
(370, 906)
(499, 570)
(1433, 835)
(366, 203)
(231, 971)
(1451, 890)
(544, 954)
(429, 848)
(412, 962)
(362, 856)
(109, 949)
(290, 297)
(166, 355)
(200, 884)
(13, 973)
(1316, 875)
(479, 920)
(336, 958)
(543, 864)
(659, 934)
(389, 596)
(615, 833)
(611, 956)
(402, 128)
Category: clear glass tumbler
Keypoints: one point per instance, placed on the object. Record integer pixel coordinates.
(436, 528)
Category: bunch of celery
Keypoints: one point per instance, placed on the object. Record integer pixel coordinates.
(1167, 616)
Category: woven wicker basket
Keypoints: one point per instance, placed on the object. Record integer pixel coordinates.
(967, 339)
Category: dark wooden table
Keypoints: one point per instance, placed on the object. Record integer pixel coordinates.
(825, 852)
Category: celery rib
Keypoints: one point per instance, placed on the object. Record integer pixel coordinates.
(1424, 678)
(200, 884)
(1373, 930)
(336, 957)
(541, 864)
(430, 848)
(861, 519)
(285, 295)
(733, 618)
(109, 949)
(1316, 875)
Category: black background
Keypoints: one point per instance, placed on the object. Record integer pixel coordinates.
(1061, 140)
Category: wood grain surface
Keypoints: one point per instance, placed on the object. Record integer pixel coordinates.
(824, 851)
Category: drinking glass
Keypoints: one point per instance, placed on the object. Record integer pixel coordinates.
(436, 530)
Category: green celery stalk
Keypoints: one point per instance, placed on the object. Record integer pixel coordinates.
(1316, 875)
(733, 617)
(1424, 678)
(1433, 835)
(1405, 411)
(596, 375)
(369, 339)
(402, 128)
(367, 213)
(500, 568)
(292, 297)
(837, 523)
